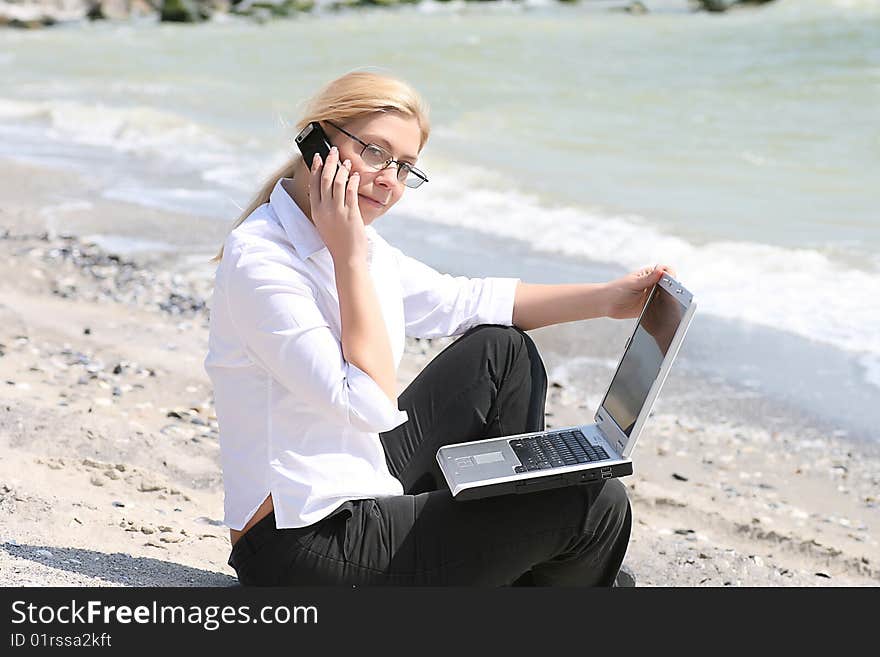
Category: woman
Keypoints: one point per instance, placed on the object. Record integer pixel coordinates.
(330, 477)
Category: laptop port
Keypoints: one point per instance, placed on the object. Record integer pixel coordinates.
(606, 473)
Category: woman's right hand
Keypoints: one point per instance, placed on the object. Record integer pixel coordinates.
(333, 196)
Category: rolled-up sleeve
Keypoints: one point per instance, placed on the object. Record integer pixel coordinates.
(439, 305)
(275, 313)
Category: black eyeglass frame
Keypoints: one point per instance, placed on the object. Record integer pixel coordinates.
(400, 165)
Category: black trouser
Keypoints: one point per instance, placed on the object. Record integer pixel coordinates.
(489, 382)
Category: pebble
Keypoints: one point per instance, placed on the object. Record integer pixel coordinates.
(147, 486)
(45, 554)
(174, 431)
(96, 480)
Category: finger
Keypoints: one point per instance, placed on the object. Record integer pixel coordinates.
(339, 184)
(315, 178)
(328, 173)
(351, 192)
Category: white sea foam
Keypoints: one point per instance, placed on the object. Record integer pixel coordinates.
(800, 291)
(797, 290)
(204, 202)
(141, 130)
(144, 131)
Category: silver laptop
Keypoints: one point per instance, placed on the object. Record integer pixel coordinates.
(589, 452)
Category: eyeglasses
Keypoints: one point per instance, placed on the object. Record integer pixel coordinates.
(378, 158)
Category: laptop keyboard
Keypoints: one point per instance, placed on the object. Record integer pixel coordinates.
(554, 450)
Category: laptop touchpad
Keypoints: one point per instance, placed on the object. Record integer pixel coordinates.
(489, 457)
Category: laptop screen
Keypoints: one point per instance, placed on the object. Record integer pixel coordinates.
(641, 363)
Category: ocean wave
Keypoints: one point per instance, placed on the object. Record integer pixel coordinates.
(209, 202)
(137, 129)
(180, 144)
(801, 291)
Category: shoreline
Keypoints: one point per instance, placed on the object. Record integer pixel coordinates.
(37, 14)
(110, 475)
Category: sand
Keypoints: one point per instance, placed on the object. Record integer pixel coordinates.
(109, 457)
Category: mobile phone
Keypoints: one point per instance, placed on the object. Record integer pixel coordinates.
(313, 140)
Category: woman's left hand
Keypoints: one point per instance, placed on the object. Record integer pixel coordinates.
(626, 296)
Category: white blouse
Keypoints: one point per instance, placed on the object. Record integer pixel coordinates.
(297, 420)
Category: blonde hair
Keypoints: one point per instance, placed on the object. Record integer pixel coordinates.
(346, 98)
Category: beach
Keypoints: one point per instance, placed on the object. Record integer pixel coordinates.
(109, 455)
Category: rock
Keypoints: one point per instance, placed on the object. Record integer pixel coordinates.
(45, 554)
(96, 480)
(183, 11)
(147, 486)
(716, 6)
(636, 8)
(720, 6)
(28, 16)
(109, 9)
(263, 10)
(679, 477)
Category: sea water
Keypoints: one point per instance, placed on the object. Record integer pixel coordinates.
(567, 145)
